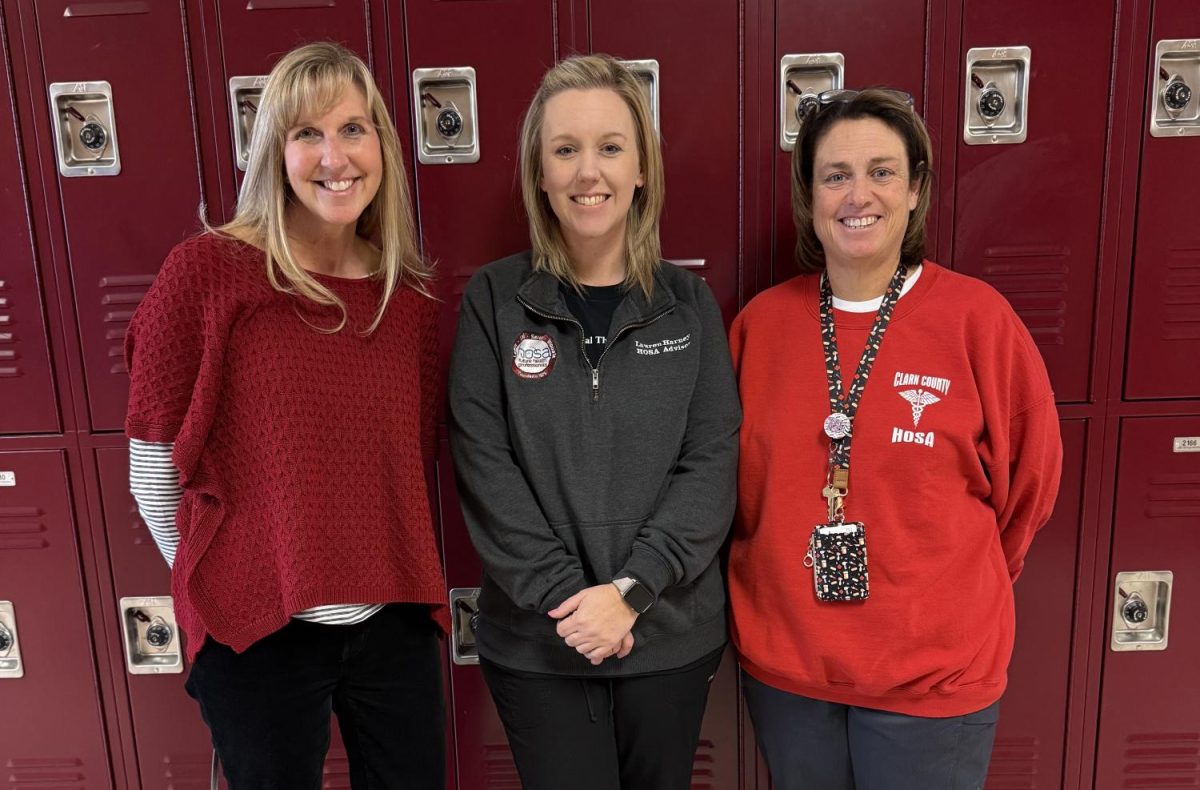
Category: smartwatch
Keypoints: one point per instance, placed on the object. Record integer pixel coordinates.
(635, 594)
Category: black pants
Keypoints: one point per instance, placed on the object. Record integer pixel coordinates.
(813, 744)
(268, 708)
(636, 733)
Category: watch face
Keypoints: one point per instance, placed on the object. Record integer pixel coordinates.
(639, 598)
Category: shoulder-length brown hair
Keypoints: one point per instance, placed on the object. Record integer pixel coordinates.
(311, 79)
(890, 108)
(643, 249)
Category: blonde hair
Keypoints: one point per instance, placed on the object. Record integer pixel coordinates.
(643, 249)
(312, 78)
(883, 105)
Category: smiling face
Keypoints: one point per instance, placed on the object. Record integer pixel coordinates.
(590, 166)
(334, 165)
(862, 194)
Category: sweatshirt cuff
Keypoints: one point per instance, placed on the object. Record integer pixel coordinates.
(560, 592)
(648, 569)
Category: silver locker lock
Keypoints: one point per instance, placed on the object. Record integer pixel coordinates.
(991, 102)
(1175, 107)
(1141, 610)
(1176, 95)
(646, 72)
(85, 132)
(449, 123)
(93, 136)
(807, 102)
(1135, 612)
(245, 94)
(464, 613)
(802, 79)
(997, 95)
(10, 647)
(446, 116)
(152, 645)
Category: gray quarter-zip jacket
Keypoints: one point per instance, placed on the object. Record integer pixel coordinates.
(571, 476)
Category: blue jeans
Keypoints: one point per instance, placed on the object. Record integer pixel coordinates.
(815, 745)
(268, 708)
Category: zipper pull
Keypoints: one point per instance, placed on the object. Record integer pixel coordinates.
(809, 560)
(595, 384)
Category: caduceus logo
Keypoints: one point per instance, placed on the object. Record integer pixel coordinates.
(919, 399)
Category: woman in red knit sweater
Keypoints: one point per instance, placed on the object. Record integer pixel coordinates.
(282, 406)
(872, 591)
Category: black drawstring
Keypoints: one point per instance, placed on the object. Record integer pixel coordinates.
(587, 699)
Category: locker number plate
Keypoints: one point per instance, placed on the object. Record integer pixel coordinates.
(1187, 444)
(7, 479)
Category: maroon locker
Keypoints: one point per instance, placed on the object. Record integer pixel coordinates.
(484, 761)
(470, 214)
(698, 108)
(700, 136)
(1030, 740)
(883, 45)
(255, 34)
(1164, 321)
(1149, 731)
(119, 227)
(26, 383)
(173, 746)
(52, 733)
(1027, 215)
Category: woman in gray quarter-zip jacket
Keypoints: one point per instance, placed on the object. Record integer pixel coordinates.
(594, 423)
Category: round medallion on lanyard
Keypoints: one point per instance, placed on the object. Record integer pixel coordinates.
(837, 425)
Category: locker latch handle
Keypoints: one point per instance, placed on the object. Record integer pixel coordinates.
(151, 636)
(464, 612)
(11, 665)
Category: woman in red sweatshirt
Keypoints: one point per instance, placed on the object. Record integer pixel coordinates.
(899, 450)
(282, 402)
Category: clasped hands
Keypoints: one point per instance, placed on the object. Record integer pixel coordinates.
(596, 622)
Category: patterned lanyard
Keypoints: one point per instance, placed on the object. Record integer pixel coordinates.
(840, 422)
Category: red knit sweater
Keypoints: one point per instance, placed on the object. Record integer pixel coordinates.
(954, 466)
(300, 453)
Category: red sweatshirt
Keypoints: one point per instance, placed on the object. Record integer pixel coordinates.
(955, 464)
(300, 453)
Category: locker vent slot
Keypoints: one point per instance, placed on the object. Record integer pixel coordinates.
(121, 8)
(1173, 496)
(61, 773)
(141, 535)
(1181, 293)
(22, 528)
(1015, 765)
(1035, 285)
(703, 776)
(8, 339)
(187, 771)
(500, 772)
(336, 772)
(119, 303)
(1162, 759)
(283, 5)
